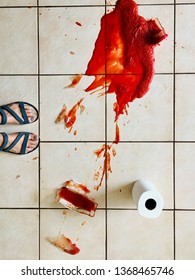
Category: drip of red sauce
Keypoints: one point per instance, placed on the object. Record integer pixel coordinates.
(103, 152)
(75, 80)
(65, 244)
(78, 23)
(117, 134)
(123, 58)
(78, 200)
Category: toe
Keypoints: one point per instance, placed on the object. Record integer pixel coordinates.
(31, 113)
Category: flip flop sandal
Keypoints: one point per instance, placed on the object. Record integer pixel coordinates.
(19, 136)
(24, 119)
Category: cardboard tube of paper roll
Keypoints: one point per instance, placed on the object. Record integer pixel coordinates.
(148, 200)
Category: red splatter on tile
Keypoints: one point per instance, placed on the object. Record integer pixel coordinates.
(103, 152)
(78, 23)
(69, 117)
(65, 244)
(75, 80)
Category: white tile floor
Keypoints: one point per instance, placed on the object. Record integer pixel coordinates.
(41, 49)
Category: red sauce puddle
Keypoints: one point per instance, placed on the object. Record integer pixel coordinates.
(123, 58)
(65, 244)
(73, 196)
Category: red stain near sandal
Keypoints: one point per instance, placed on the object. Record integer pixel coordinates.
(69, 117)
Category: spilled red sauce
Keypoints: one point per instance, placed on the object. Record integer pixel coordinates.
(78, 23)
(105, 153)
(76, 79)
(69, 117)
(73, 196)
(122, 63)
(65, 244)
(117, 134)
(123, 58)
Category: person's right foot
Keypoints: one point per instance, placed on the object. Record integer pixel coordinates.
(30, 112)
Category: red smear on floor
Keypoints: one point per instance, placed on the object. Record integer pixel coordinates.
(75, 80)
(69, 117)
(78, 23)
(103, 152)
(65, 244)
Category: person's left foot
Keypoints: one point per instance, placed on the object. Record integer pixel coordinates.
(32, 143)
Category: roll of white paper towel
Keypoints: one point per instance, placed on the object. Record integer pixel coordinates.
(148, 200)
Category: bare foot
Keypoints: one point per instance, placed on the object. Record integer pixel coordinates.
(30, 112)
(33, 141)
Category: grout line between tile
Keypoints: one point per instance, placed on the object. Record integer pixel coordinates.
(98, 209)
(73, 74)
(106, 141)
(90, 6)
(120, 142)
(174, 116)
(39, 99)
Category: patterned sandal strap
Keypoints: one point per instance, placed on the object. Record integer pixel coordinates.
(24, 144)
(5, 141)
(3, 116)
(22, 109)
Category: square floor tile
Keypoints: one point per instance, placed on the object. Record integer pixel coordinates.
(164, 53)
(61, 162)
(185, 235)
(86, 232)
(90, 123)
(18, 48)
(185, 103)
(65, 46)
(185, 1)
(152, 162)
(132, 237)
(185, 45)
(20, 187)
(149, 118)
(185, 161)
(71, 2)
(19, 234)
(18, 3)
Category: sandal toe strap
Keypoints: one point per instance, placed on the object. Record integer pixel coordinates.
(24, 144)
(3, 116)
(5, 141)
